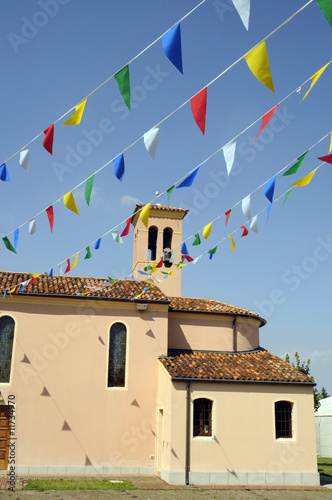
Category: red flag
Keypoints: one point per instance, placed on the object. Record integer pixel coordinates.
(126, 283)
(160, 263)
(266, 118)
(245, 231)
(227, 213)
(126, 229)
(327, 158)
(187, 257)
(48, 139)
(198, 108)
(68, 266)
(50, 215)
(33, 281)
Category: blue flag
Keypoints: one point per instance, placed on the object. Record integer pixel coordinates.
(4, 175)
(184, 250)
(119, 166)
(15, 238)
(269, 189)
(189, 179)
(171, 43)
(97, 244)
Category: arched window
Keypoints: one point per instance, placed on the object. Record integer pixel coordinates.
(202, 417)
(152, 243)
(7, 326)
(117, 355)
(283, 419)
(167, 245)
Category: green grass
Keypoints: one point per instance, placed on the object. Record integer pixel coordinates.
(77, 484)
(325, 466)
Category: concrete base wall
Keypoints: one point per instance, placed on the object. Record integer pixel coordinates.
(81, 470)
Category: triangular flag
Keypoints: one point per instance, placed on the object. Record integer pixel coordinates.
(326, 8)
(68, 266)
(144, 215)
(48, 139)
(25, 158)
(268, 210)
(75, 262)
(76, 117)
(172, 257)
(126, 229)
(4, 175)
(116, 236)
(123, 81)
(119, 167)
(70, 203)
(50, 274)
(32, 227)
(153, 270)
(160, 263)
(16, 232)
(327, 159)
(232, 242)
(169, 192)
(171, 43)
(315, 77)
(88, 253)
(189, 179)
(286, 196)
(253, 224)
(227, 213)
(8, 244)
(246, 207)
(243, 9)
(245, 231)
(197, 239)
(258, 63)
(229, 154)
(265, 119)
(207, 230)
(50, 215)
(151, 141)
(198, 108)
(196, 261)
(60, 270)
(97, 244)
(184, 250)
(88, 189)
(188, 258)
(294, 168)
(305, 180)
(212, 252)
(269, 188)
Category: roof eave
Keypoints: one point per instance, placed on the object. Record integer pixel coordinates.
(224, 313)
(113, 299)
(272, 382)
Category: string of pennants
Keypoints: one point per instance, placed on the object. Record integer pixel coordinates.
(256, 59)
(269, 188)
(150, 140)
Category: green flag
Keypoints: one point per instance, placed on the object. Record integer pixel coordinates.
(123, 81)
(286, 196)
(88, 189)
(197, 240)
(88, 253)
(8, 244)
(326, 8)
(294, 168)
(147, 268)
(213, 250)
(169, 192)
(111, 280)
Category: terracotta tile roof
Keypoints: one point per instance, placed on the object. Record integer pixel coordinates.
(209, 305)
(162, 207)
(72, 286)
(253, 366)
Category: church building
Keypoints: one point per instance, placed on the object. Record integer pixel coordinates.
(126, 378)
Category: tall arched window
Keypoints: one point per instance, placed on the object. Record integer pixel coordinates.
(7, 326)
(117, 355)
(202, 417)
(152, 243)
(167, 238)
(283, 419)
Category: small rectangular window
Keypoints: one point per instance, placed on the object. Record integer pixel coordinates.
(283, 419)
(202, 417)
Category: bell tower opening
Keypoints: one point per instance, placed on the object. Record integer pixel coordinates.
(161, 239)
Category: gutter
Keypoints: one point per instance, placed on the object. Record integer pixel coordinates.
(187, 458)
(213, 380)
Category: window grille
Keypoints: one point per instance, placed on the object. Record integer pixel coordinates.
(202, 417)
(283, 419)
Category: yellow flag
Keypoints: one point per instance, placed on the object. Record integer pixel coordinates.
(182, 264)
(154, 269)
(76, 117)
(258, 63)
(35, 275)
(305, 180)
(12, 290)
(315, 77)
(70, 203)
(207, 230)
(75, 262)
(144, 215)
(330, 144)
(233, 244)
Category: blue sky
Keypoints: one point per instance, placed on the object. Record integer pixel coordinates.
(54, 53)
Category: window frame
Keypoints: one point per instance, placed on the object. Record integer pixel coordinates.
(280, 420)
(12, 350)
(202, 420)
(114, 387)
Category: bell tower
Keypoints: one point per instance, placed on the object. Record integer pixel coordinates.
(162, 238)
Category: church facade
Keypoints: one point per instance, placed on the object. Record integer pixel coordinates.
(128, 379)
